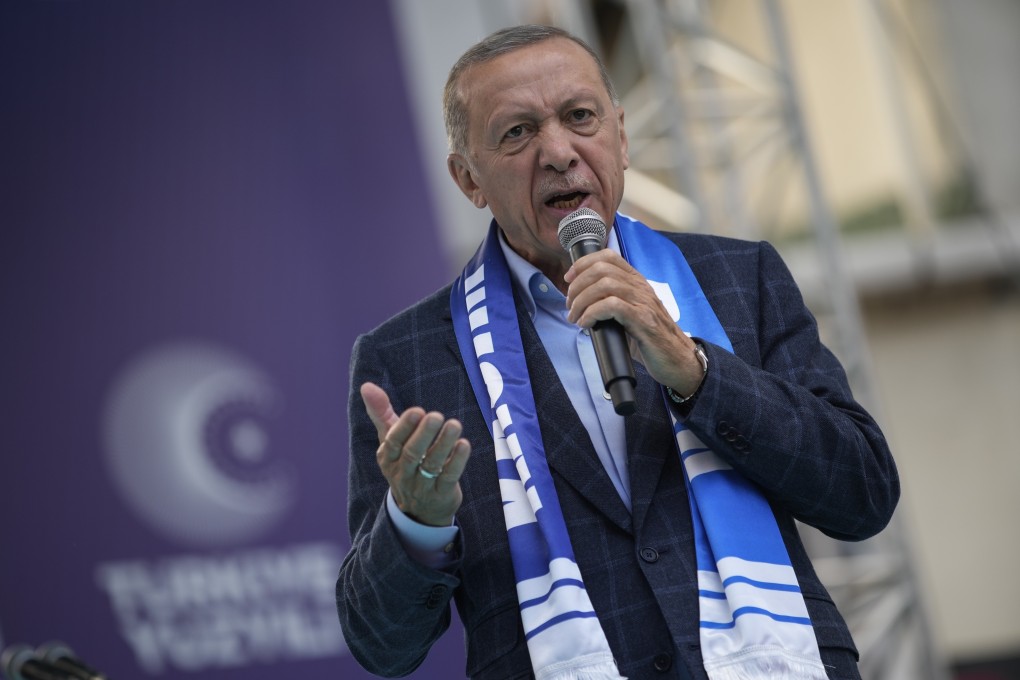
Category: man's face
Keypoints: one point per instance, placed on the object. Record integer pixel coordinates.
(543, 140)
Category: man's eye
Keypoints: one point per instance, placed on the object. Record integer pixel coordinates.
(581, 115)
(515, 132)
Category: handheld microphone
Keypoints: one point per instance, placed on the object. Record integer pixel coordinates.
(61, 657)
(19, 662)
(580, 233)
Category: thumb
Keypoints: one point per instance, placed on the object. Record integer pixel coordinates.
(379, 408)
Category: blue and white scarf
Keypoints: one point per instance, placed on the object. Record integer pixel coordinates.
(754, 623)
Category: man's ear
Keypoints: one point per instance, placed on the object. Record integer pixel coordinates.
(460, 171)
(623, 138)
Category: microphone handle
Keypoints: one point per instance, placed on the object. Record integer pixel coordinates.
(617, 370)
(611, 351)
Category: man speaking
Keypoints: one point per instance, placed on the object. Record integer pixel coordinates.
(488, 463)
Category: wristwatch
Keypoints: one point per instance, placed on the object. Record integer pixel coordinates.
(699, 352)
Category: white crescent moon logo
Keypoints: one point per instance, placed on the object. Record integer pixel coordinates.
(187, 433)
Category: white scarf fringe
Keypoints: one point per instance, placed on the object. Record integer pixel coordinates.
(765, 663)
(599, 666)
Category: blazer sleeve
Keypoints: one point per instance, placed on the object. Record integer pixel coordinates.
(786, 417)
(391, 608)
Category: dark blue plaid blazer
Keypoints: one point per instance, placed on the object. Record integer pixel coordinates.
(778, 409)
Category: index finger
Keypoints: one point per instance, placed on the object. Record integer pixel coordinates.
(591, 259)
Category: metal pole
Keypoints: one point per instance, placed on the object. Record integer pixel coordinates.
(657, 55)
(910, 618)
(846, 309)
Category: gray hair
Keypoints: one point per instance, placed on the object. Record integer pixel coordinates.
(501, 42)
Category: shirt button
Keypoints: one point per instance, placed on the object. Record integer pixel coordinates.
(543, 287)
(586, 331)
(435, 597)
(649, 555)
(606, 395)
(662, 662)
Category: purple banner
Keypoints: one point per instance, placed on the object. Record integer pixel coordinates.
(201, 205)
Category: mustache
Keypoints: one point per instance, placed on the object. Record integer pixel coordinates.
(566, 183)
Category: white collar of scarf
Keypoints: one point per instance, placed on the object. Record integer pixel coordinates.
(754, 623)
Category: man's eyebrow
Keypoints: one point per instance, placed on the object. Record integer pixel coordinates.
(589, 99)
(497, 123)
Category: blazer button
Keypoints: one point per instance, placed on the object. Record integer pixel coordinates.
(662, 662)
(722, 428)
(435, 596)
(649, 555)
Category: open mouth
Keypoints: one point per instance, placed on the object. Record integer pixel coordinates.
(567, 201)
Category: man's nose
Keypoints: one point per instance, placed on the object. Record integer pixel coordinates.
(557, 150)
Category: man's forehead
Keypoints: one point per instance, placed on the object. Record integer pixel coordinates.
(575, 72)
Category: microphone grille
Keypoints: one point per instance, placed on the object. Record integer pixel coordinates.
(582, 224)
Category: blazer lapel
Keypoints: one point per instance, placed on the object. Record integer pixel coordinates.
(649, 441)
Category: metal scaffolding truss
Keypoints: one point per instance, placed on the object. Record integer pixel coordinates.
(733, 121)
(716, 135)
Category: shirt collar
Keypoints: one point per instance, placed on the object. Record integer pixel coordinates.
(524, 274)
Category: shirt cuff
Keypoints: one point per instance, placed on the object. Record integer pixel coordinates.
(426, 545)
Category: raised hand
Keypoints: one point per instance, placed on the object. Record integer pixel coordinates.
(422, 456)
